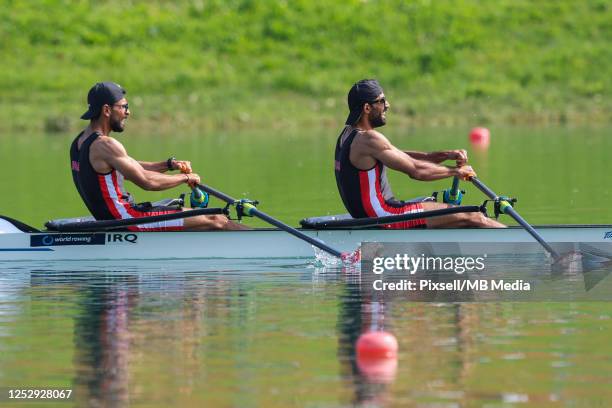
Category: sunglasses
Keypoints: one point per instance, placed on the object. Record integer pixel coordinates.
(381, 100)
(125, 106)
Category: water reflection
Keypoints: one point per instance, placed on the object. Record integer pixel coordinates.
(437, 349)
(128, 315)
(279, 333)
(443, 345)
(362, 310)
(102, 341)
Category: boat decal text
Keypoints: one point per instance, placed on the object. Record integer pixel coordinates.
(45, 240)
(131, 238)
(608, 235)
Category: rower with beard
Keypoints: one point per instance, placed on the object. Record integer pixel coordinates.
(363, 156)
(100, 163)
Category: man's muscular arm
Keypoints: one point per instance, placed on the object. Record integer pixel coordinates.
(459, 155)
(111, 152)
(378, 146)
(162, 167)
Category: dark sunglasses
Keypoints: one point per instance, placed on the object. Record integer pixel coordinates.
(125, 106)
(381, 100)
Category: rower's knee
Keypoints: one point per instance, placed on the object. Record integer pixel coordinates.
(471, 219)
(481, 220)
(218, 222)
(207, 223)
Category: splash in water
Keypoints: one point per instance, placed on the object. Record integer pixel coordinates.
(325, 259)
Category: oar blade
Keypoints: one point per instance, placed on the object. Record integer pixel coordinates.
(594, 258)
(324, 258)
(351, 258)
(581, 261)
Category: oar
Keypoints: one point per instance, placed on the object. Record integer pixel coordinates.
(251, 210)
(507, 208)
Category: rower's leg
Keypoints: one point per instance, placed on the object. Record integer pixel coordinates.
(459, 220)
(212, 223)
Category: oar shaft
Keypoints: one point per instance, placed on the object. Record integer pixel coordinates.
(274, 221)
(508, 209)
(512, 212)
(220, 195)
(486, 190)
(296, 233)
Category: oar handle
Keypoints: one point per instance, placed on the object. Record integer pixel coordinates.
(252, 210)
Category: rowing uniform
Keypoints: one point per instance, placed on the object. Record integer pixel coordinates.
(105, 196)
(367, 193)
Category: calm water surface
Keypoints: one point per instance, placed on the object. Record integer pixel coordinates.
(282, 332)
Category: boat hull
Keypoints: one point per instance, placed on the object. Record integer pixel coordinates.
(272, 243)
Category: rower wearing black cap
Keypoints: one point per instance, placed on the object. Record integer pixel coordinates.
(100, 163)
(363, 156)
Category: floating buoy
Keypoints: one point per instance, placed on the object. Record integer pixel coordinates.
(480, 136)
(376, 344)
(378, 370)
(377, 356)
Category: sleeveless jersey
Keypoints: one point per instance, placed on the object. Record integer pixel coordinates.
(105, 196)
(367, 193)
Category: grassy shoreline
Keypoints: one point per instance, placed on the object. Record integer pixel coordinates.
(293, 112)
(272, 64)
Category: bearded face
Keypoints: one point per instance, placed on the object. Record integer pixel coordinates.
(377, 117)
(119, 116)
(117, 124)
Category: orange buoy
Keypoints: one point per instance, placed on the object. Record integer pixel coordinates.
(376, 344)
(480, 136)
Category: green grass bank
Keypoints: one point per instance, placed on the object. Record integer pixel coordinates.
(284, 64)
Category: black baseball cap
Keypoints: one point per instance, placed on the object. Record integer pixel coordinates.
(102, 93)
(366, 90)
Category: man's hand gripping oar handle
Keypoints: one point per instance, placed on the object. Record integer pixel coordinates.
(197, 198)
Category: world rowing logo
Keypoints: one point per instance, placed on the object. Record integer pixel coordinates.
(38, 240)
(608, 235)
